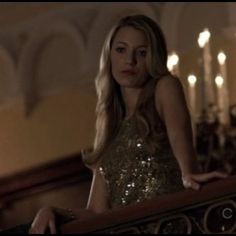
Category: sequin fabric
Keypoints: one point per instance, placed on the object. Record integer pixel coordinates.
(132, 174)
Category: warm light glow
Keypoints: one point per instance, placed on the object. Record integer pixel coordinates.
(192, 79)
(173, 60)
(170, 65)
(201, 41)
(219, 81)
(203, 38)
(221, 57)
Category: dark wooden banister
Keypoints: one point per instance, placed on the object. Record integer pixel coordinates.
(45, 177)
(218, 189)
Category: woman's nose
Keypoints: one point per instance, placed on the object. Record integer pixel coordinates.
(131, 58)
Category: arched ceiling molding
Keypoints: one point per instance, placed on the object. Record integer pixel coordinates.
(32, 49)
(109, 14)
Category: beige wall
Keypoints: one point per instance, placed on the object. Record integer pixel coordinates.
(60, 125)
(62, 121)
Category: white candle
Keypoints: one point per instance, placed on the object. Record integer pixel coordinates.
(208, 92)
(192, 79)
(225, 116)
(220, 96)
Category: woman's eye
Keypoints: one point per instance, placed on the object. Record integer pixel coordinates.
(142, 53)
(120, 49)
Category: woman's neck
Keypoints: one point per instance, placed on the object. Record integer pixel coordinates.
(130, 96)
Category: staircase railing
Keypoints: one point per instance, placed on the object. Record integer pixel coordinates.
(212, 209)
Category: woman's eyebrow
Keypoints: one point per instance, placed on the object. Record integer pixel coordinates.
(126, 44)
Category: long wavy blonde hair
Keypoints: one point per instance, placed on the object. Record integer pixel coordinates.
(110, 107)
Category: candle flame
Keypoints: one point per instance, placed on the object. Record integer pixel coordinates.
(219, 81)
(203, 38)
(221, 57)
(192, 79)
(173, 60)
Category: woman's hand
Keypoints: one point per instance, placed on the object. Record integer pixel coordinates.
(44, 219)
(194, 181)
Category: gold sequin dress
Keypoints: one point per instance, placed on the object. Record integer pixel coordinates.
(132, 174)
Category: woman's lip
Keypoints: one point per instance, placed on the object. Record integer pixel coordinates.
(130, 72)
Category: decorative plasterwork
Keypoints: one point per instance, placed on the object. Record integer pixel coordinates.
(28, 40)
(29, 57)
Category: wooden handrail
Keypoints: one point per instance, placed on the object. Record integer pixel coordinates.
(218, 189)
(64, 171)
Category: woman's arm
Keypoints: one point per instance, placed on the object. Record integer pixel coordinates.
(97, 203)
(98, 196)
(97, 200)
(172, 107)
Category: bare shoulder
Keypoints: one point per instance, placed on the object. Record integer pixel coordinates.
(168, 88)
(167, 84)
(168, 94)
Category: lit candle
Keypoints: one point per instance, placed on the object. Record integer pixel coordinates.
(192, 79)
(225, 116)
(172, 63)
(207, 83)
(220, 96)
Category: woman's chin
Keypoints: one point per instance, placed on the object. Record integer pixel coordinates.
(127, 82)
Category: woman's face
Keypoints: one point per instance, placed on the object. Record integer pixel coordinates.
(128, 57)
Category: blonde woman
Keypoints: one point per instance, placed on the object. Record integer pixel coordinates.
(143, 145)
